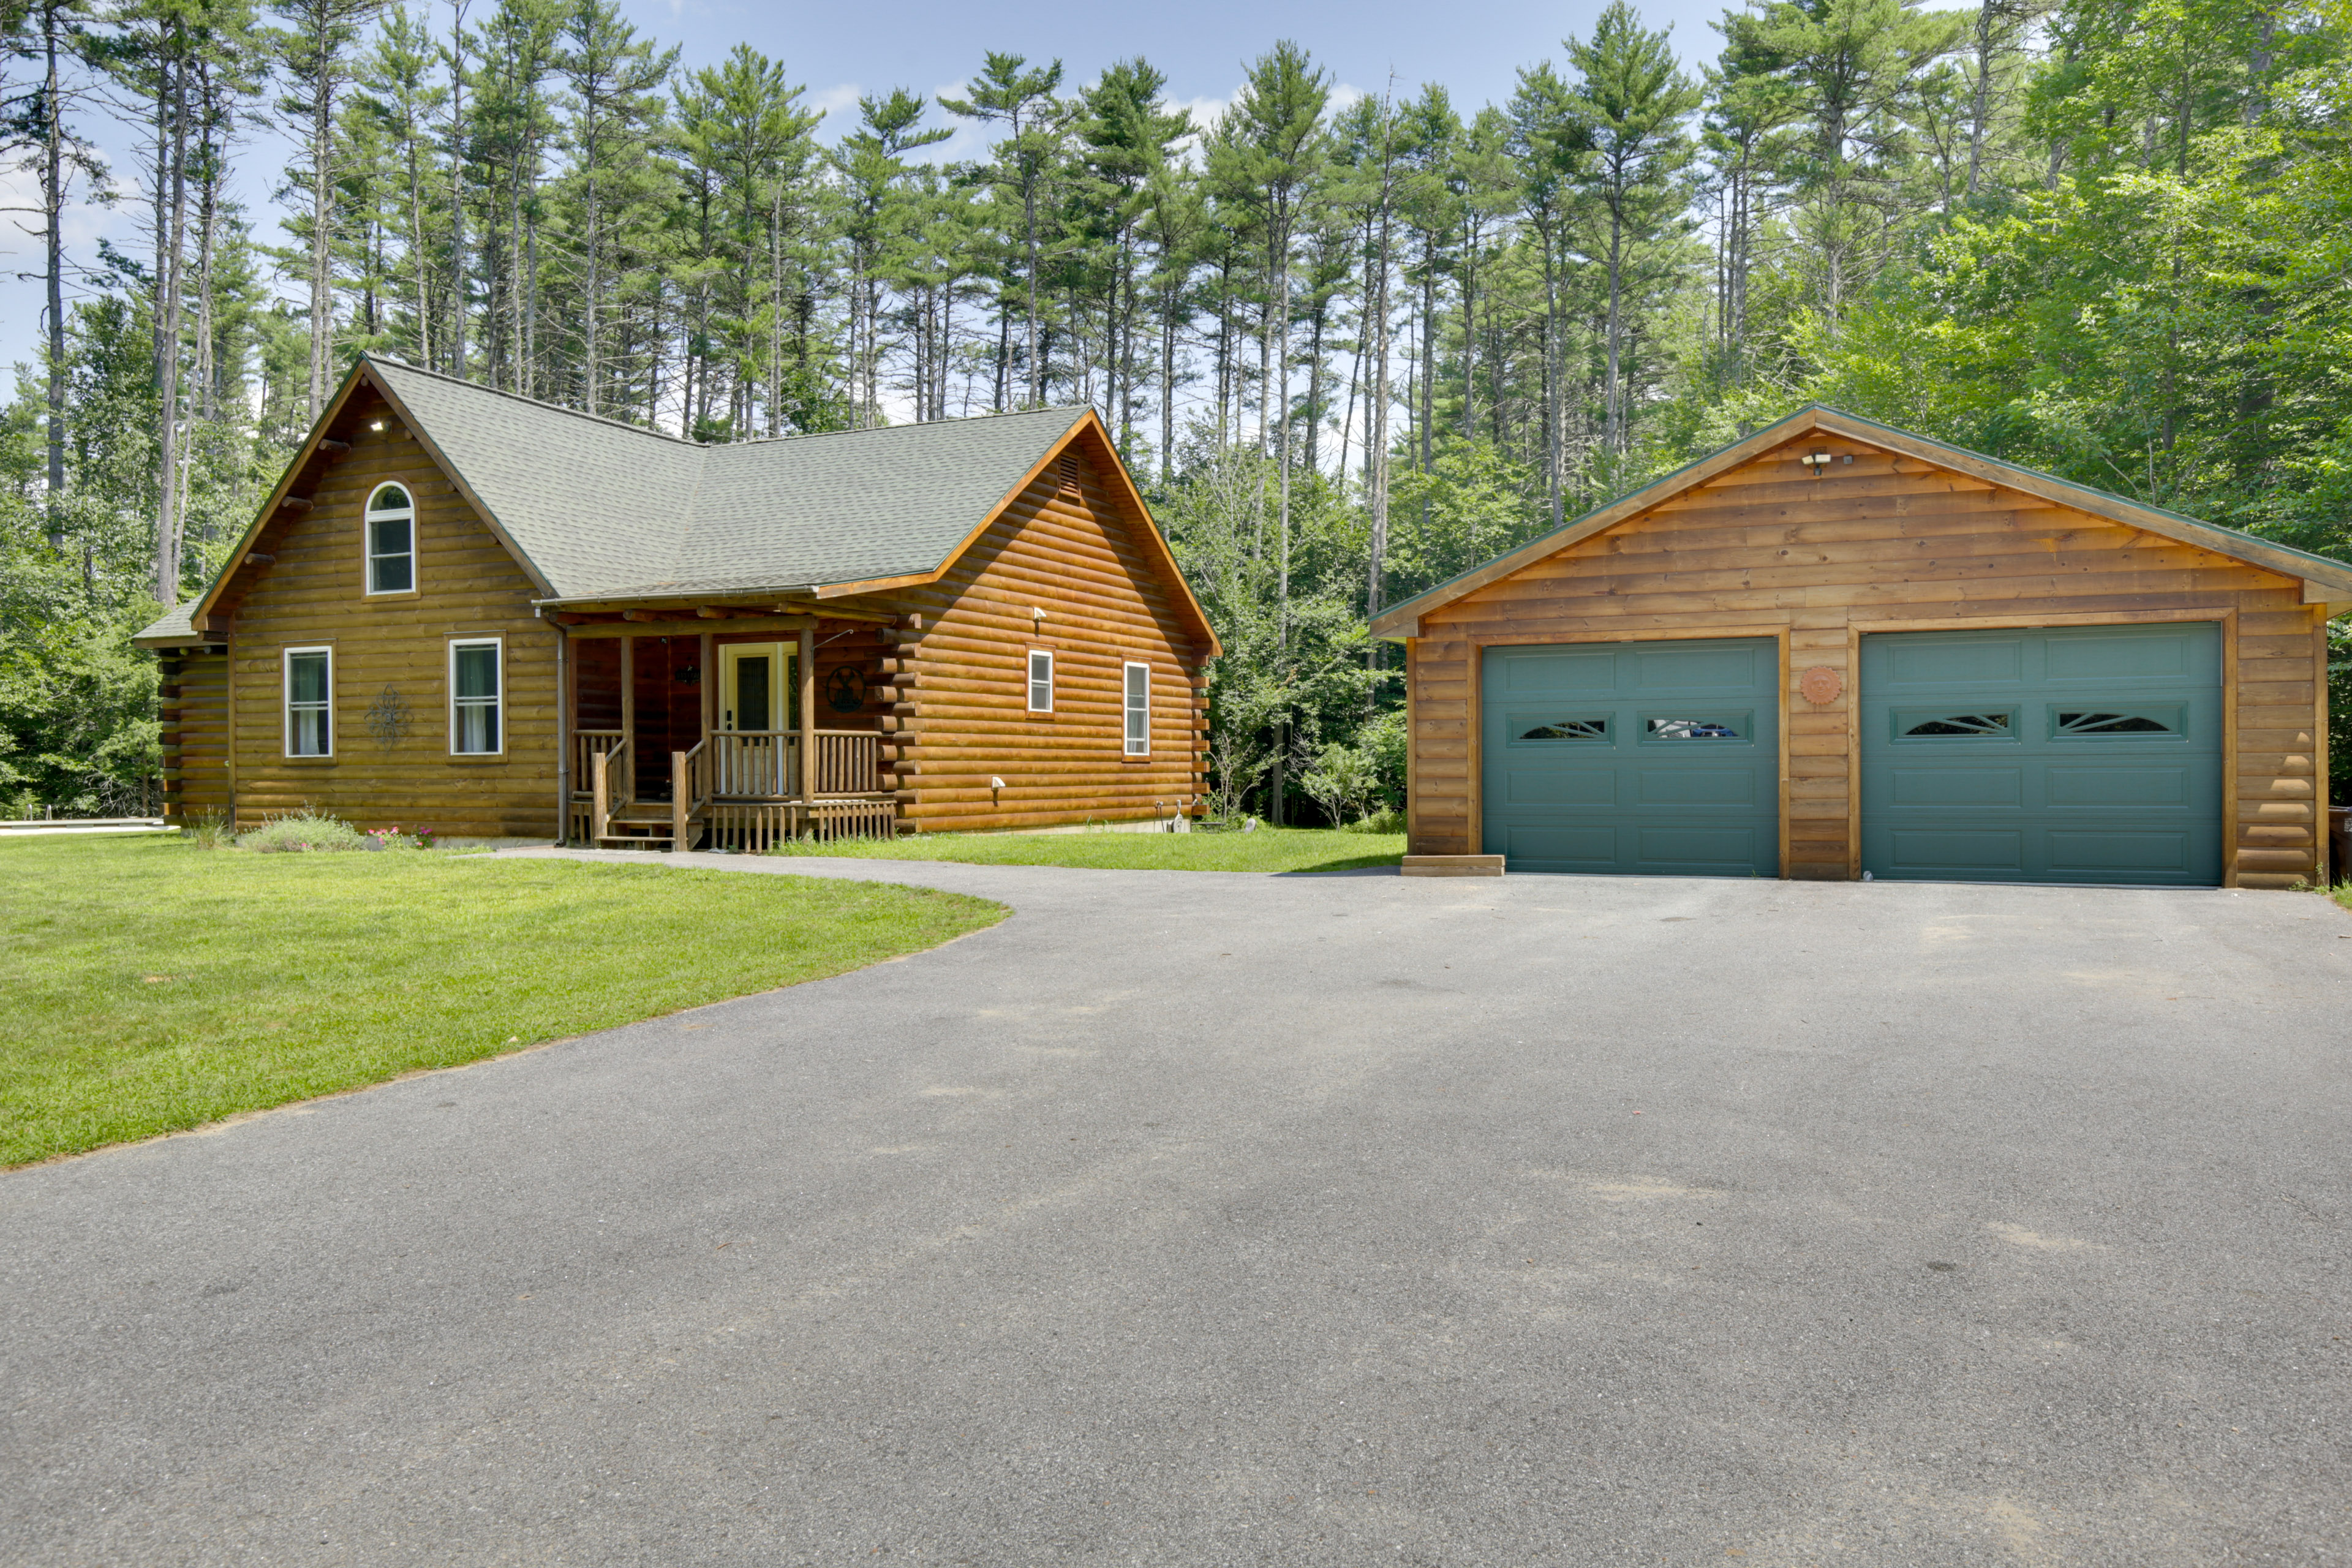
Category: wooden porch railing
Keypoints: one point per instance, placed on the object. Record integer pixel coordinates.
(612, 785)
(690, 789)
(848, 762)
(754, 764)
(765, 764)
(587, 746)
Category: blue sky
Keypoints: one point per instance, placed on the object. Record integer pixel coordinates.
(1474, 47)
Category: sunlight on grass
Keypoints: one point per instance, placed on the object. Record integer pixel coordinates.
(154, 986)
(1268, 849)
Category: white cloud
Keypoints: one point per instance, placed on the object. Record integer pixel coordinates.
(836, 103)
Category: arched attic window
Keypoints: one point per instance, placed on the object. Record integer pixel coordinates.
(390, 541)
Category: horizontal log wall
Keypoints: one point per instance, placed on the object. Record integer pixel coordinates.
(1884, 542)
(191, 704)
(1068, 545)
(391, 653)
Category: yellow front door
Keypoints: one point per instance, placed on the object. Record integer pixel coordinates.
(755, 683)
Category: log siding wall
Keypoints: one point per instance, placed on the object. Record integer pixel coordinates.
(1067, 545)
(1887, 543)
(192, 701)
(312, 594)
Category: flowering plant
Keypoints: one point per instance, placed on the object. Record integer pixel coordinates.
(397, 837)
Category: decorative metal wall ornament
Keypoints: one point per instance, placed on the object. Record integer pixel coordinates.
(1819, 685)
(844, 690)
(387, 717)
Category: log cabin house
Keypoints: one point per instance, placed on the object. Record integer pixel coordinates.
(1838, 650)
(466, 610)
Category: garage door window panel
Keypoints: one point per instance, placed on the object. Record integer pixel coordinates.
(1706, 729)
(1944, 725)
(2070, 722)
(1569, 730)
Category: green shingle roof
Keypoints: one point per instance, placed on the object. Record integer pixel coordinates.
(609, 511)
(177, 624)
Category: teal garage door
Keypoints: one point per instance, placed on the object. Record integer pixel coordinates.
(1655, 758)
(2082, 755)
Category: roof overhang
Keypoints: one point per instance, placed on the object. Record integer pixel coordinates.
(2324, 581)
(180, 642)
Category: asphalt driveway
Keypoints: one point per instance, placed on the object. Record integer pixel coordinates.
(1198, 1219)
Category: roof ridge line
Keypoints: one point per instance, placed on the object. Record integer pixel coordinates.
(374, 358)
(1069, 408)
(532, 402)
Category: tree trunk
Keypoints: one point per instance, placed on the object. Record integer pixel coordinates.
(1376, 428)
(1280, 258)
(1029, 209)
(53, 205)
(1168, 385)
(322, 159)
(172, 247)
(458, 282)
(1612, 409)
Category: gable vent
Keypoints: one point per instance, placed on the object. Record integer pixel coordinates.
(1070, 474)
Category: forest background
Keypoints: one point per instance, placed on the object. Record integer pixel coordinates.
(1351, 344)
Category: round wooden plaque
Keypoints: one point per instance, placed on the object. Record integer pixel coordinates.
(1819, 685)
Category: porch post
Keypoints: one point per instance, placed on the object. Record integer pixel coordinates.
(628, 687)
(808, 717)
(709, 685)
(566, 709)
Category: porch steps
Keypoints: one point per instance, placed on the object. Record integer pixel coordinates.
(651, 822)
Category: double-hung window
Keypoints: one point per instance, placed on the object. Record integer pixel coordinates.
(390, 541)
(309, 686)
(1138, 709)
(477, 697)
(1041, 681)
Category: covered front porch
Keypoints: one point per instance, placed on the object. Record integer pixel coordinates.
(729, 730)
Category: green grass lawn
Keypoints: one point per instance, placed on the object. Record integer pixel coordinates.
(153, 986)
(1268, 849)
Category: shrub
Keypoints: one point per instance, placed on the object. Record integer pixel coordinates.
(1388, 819)
(303, 830)
(209, 829)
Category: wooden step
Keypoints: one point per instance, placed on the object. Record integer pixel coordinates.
(645, 812)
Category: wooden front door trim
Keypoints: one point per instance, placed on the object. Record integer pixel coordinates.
(2225, 617)
(1476, 737)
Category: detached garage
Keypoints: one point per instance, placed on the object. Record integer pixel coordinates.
(1838, 648)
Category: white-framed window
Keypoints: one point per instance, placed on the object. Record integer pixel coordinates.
(477, 675)
(310, 687)
(390, 541)
(1138, 709)
(1041, 681)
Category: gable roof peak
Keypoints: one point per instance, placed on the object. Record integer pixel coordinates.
(1403, 620)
